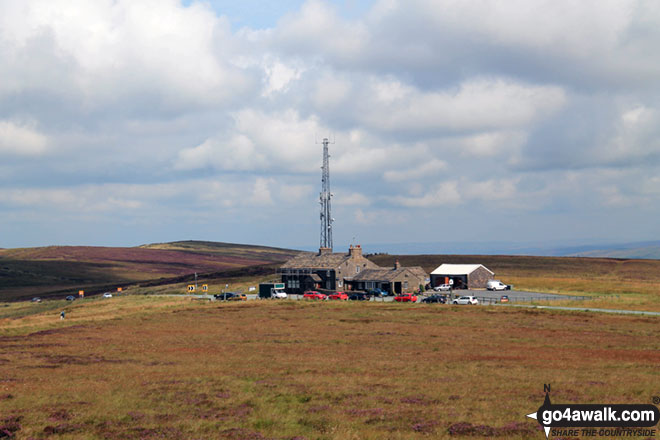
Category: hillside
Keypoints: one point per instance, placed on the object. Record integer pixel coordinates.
(642, 252)
(52, 270)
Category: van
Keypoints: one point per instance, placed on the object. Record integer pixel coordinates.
(497, 285)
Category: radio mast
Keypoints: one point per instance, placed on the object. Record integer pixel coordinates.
(325, 196)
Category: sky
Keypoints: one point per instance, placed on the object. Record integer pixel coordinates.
(124, 122)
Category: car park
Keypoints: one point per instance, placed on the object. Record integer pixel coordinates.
(497, 285)
(70, 298)
(504, 299)
(469, 300)
(107, 295)
(338, 295)
(442, 288)
(313, 294)
(36, 299)
(405, 297)
(442, 299)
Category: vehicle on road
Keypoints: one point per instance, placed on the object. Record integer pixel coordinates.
(70, 298)
(36, 299)
(359, 297)
(504, 299)
(442, 288)
(313, 294)
(442, 299)
(497, 285)
(272, 290)
(405, 297)
(469, 300)
(107, 295)
(230, 296)
(377, 292)
(338, 295)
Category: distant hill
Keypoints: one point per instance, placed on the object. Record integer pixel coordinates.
(51, 270)
(643, 252)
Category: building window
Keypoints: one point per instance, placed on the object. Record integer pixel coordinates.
(340, 283)
(357, 269)
(405, 284)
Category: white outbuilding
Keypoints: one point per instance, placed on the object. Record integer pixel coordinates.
(462, 276)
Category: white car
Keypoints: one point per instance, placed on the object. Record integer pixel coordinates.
(497, 285)
(442, 288)
(279, 294)
(469, 300)
(107, 295)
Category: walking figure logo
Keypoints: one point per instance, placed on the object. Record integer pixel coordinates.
(595, 419)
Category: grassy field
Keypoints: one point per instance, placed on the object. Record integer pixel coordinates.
(172, 368)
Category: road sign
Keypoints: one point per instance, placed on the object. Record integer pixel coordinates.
(205, 287)
(191, 287)
(119, 289)
(81, 293)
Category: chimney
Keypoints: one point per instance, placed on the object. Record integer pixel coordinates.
(325, 251)
(355, 251)
(397, 265)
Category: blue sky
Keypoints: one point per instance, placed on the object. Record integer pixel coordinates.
(129, 122)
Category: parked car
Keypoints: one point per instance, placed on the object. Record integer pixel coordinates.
(405, 297)
(313, 294)
(230, 296)
(504, 299)
(107, 295)
(36, 299)
(338, 295)
(442, 299)
(359, 297)
(377, 292)
(469, 300)
(497, 285)
(442, 288)
(279, 294)
(70, 298)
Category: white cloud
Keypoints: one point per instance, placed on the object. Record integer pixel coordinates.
(21, 139)
(442, 194)
(424, 170)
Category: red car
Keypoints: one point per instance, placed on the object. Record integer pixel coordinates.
(405, 297)
(313, 294)
(338, 295)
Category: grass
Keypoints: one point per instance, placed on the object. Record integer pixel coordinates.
(146, 367)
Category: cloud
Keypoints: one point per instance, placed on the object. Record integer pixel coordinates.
(21, 140)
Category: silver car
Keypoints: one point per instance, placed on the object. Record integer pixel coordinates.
(466, 300)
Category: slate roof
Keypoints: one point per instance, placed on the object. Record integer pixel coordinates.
(388, 274)
(313, 260)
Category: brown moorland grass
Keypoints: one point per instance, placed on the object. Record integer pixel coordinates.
(140, 367)
(50, 271)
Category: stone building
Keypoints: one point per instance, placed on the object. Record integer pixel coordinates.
(323, 270)
(396, 279)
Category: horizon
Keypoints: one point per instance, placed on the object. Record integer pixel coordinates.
(517, 123)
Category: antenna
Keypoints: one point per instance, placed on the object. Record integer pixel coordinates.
(325, 196)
